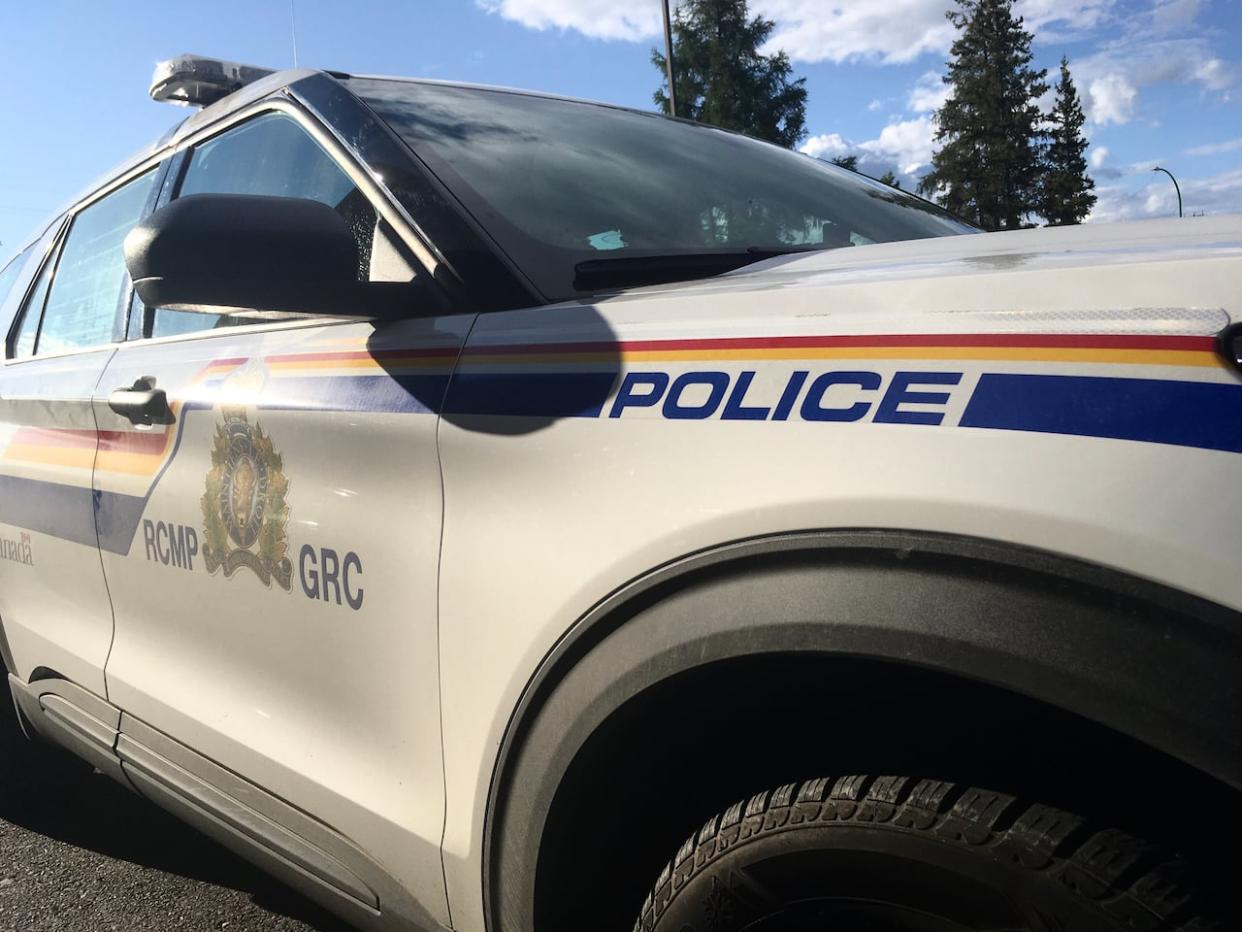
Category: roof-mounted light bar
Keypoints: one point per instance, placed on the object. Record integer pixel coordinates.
(194, 81)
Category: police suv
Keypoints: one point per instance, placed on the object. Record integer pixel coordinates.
(491, 511)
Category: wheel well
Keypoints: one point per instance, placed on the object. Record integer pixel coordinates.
(804, 655)
(668, 759)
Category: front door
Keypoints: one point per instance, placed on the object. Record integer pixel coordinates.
(275, 599)
(53, 600)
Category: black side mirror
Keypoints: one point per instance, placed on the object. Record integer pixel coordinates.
(214, 252)
(1229, 344)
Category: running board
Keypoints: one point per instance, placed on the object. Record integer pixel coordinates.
(275, 836)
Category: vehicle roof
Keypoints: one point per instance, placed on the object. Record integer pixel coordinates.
(244, 97)
(470, 85)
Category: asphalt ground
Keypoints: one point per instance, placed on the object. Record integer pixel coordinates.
(80, 853)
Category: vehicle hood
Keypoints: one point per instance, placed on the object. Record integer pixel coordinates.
(1148, 269)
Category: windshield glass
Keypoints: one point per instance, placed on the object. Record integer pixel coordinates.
(559, 182)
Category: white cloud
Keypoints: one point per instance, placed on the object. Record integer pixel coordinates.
(1161, 42)
(1111, 99)
(1215, 75)
(888, 31)
(1116, 73)
(904, 148)
(1218, 194)
(908, 143)
(1061, 20)
(929, 94)
(827, 146)
(896, 31)
(1173, 15)
(599, 19)
(1217, 148)
(1099, 154)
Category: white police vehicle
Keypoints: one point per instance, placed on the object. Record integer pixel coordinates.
(451, 497)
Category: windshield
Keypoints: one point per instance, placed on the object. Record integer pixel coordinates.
(560, 182)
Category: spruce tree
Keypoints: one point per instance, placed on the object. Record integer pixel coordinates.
(846, 161)
(723, 80)
(990, 130)
(890, 179)
(1067, 196)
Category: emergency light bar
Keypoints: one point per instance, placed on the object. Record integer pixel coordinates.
(194, 81)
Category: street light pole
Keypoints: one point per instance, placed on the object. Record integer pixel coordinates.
(668, 61)
(1176, 187)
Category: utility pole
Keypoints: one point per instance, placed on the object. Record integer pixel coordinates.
(668, 61)
(1176, 187)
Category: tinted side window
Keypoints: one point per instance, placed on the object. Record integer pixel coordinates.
(28, 329)
(82, 302)
(21, 308)
(270, 155)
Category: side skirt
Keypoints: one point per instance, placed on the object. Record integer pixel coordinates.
(278, 838)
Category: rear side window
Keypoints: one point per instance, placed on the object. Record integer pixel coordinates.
(8, 276)
(28, 329)
(273, 156)
(83, 297)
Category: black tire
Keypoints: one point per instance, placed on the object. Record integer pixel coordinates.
(895, 854)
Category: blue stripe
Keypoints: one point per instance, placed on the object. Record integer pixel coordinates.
(48, 508)
(1207, 415)
(542, 394)
(117, 516)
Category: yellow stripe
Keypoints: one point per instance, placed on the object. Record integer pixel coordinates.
(78, 457)
(990, 353)
(388, 365)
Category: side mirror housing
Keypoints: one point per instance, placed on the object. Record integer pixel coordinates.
(1229, 344)
(216, 252)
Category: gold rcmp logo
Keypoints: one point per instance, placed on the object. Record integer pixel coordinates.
(244, 507)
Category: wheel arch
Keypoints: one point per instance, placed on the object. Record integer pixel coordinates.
(1020, 621)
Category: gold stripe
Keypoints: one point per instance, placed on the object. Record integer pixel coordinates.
(79, 457)
(988, 353)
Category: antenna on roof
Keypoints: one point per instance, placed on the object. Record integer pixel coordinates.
(293, 30)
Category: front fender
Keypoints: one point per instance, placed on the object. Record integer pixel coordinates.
(1151, 663)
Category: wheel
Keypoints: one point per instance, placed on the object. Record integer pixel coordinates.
(896, 854)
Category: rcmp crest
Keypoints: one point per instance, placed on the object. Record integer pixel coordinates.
(244, 506)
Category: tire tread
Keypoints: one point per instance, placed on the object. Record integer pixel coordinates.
(1130, 880)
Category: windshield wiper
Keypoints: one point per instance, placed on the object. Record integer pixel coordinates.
(632, 271)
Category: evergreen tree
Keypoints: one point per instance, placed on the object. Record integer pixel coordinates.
(990, 130)
(723, 80)
(846, 161)
(1067, 196)
(890, 179)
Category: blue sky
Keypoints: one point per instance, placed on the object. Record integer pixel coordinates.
(1162, 78)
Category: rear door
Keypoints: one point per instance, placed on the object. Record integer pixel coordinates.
(275, 595)
(53, 599)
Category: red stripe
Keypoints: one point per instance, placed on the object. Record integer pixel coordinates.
(997, 340)
(1012, 340)
(115, 441)
(378, 355)
(56, 437)
(132, 441)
